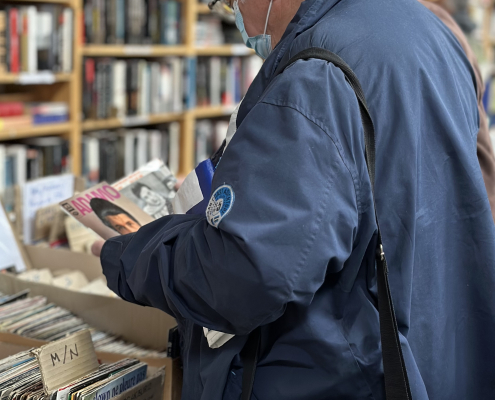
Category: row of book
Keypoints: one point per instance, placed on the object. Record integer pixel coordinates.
(119, 88)
(31, 159)
(210, 135)
(132, 22)
(211, 31)
(109, 155)
(15, 114)
(224, 80)
(36, 38)
(37, 318)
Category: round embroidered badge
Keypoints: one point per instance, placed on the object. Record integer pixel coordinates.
(220, 204)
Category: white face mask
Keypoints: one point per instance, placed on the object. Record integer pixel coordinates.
(261, 44)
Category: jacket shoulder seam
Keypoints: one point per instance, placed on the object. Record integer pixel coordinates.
(313, 119)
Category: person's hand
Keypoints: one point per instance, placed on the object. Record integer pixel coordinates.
(96, 247)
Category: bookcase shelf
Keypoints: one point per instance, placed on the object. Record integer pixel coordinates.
(65, 2)
(33, 78)
(133, 50)
(213, 112)
(34, 131)
(139, 120)
(224, 50)
(68, 87)
(202, 8)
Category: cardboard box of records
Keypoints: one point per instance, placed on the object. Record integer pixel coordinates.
(68, 287)
(121, 328)
(70, 369)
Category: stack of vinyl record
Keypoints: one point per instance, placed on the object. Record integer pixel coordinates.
(20, 378)
(36, 318)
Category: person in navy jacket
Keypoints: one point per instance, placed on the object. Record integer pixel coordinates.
(287, 241)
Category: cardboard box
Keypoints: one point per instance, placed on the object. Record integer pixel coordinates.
(170, 385)
(145, 326)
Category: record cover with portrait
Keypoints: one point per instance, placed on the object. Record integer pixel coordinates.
(106, 211)
(151, 187)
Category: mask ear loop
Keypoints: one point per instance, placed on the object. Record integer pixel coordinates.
(267, 19)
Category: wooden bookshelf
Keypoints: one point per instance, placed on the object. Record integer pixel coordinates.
(203, 8)
(35, 130)
(26, 78)
(213, 112)
(65, 2)
(138, 120)
(69, 87)
(224, 50)
(133, 51)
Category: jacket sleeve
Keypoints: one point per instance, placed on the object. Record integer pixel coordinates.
(292, 221)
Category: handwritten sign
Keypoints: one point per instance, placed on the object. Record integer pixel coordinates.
(66, 360)
(41, 193)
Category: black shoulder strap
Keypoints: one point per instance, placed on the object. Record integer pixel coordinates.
(396, 379)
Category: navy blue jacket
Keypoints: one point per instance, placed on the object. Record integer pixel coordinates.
(295, 253)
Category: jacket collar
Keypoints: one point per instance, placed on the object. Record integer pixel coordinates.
(309, 13)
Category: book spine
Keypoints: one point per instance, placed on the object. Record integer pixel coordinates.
(11, 109)
(67, 40)
(49, 119)
(32, 32)
(3, 41)
(23, 40)
(120, 22)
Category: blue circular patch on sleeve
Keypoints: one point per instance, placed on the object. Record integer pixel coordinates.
(220, 204)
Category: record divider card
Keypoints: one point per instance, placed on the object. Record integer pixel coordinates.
(66, 360)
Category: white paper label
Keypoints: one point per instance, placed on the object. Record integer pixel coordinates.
(135, 120)
(240, 50)
(138, 50)
(36, 78)
(41, 193)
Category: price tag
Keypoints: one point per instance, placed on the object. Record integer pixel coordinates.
(135, 120)
(240, 50)
(138, 50)
(66, 360)
(36, 78)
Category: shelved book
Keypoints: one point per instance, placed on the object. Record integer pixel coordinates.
(112, 154)
(14, 115)
(210, 135)
(133, 22)
(116, 88)
(28, 160)
(224, 80)
(37, 318)
(36, 38)
(213, 31)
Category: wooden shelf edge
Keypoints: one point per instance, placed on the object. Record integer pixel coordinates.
(202, 8)
(224, 50)
(25, 78)
(129, 122)
(213, 112)
(34, 131)
(66, 2)
(106, 50)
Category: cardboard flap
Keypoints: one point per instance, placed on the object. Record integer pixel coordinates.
(66, 360)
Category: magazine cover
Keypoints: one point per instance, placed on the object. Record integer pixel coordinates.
(106, 211)
(151, 187)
